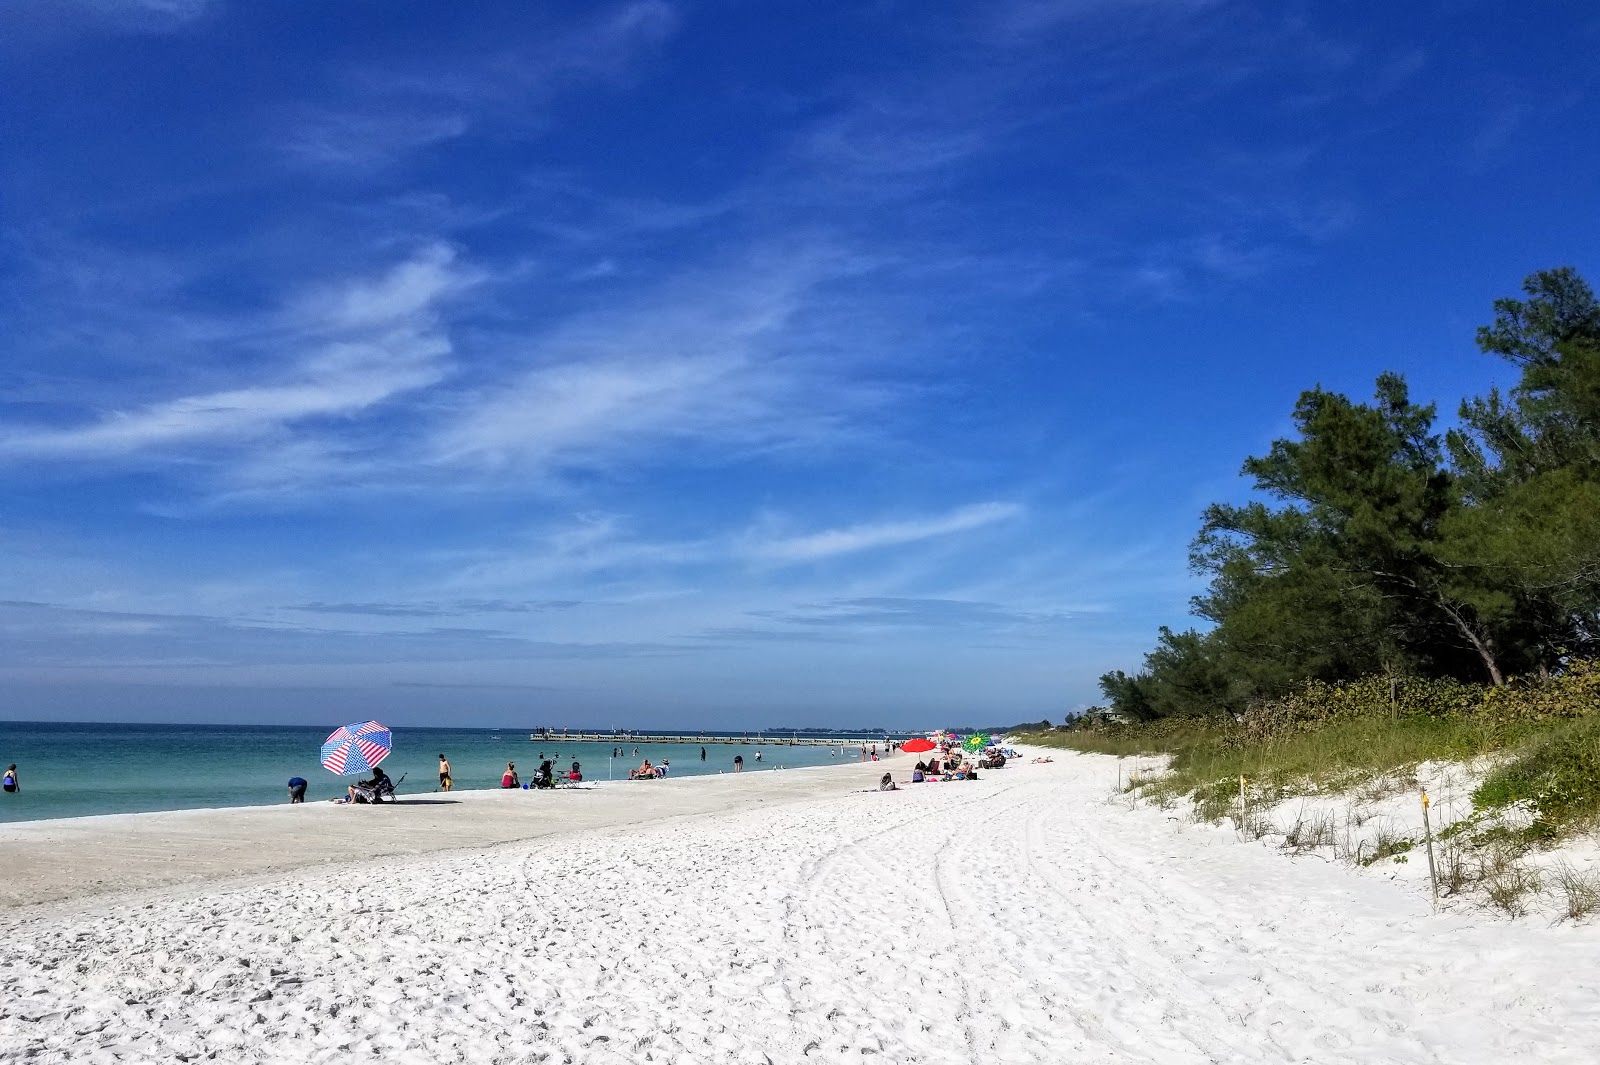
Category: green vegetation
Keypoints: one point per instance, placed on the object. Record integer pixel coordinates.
(1206, 761)
(1557, 774)
(1394, 595)
(1366, 738)
(1377, 547)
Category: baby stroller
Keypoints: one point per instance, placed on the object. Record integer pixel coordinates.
(381, 792)
(544, 776)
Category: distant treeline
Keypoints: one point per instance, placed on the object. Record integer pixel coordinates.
(1380, 547)
(1001, 730)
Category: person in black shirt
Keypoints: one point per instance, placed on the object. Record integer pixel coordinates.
(369, 787)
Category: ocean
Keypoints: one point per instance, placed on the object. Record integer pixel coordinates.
(73, 769)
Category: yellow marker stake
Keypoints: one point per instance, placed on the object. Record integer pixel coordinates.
(1427, 831)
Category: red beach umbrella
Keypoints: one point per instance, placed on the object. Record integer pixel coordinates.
(917, 746)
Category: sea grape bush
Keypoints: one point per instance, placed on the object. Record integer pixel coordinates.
(1572, 693)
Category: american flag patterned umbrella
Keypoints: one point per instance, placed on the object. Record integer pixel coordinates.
(356, 748)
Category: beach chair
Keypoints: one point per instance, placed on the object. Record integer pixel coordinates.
(383, 793)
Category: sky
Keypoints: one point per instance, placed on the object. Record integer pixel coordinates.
(711, 363)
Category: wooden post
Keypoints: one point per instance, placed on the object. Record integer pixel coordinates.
(1242, 811)
(1427, 832)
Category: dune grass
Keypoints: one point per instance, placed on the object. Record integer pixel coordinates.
(1207, 759)
(1557, 774)
(1549, 769)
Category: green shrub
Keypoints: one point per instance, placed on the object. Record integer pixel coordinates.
(1557, 775)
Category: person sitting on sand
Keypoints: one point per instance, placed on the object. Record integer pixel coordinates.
(887, 783)
(918, 774)
(509, 778)
(646, 771)
(369, 787)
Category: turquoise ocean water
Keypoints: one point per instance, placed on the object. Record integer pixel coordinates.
(75, 769)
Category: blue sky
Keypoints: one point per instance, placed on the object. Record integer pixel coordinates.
(710, 363)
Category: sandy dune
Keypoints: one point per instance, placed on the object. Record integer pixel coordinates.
(1019, 918)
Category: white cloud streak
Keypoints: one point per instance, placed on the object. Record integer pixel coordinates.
(355, 345)
(389, 114)
(833, 542)
(718, 360)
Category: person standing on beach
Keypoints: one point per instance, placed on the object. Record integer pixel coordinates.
(738, 763)
(445, 782)
(10, 782)
(702, 754)
(297, 789)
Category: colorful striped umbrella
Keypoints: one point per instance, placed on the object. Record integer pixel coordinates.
(356, 748)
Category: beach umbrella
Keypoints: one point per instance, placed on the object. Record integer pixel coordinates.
(917, 746)
(977, 741)
(356, 748)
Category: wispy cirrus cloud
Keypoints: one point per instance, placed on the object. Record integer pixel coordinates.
(388, 113)
(829, 543)
(435, 609)
(129, 16)
(335, 352)
(1023, 20)
(37, 637)
(908, 612)
(726, 360)
(852, 619)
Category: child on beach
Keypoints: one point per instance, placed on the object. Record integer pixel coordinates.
(444, 773)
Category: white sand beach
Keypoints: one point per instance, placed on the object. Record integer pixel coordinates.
(772, 917)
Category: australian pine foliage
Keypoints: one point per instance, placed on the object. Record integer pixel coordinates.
(1377, 546)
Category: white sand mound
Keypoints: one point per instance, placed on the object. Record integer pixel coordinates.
(1017, 918)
